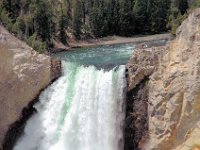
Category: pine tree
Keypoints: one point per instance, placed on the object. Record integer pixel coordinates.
(158, 15)
(12, 7)
(42, 20)
(139, 10)
(91, 18)
(62, 27)
(183, 6)
(7, 5)
(126, 22)
(97, 17)
(77, 22)
(15, 9)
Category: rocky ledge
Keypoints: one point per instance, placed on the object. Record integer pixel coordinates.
(165, 83)
(23, 75)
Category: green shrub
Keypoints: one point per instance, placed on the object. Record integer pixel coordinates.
(42, 47)
(177, 22)
(195, 4)
(36, 44)
(6, 20)
(31, 40)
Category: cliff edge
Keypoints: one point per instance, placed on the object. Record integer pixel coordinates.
(171, 101)
(23, 74)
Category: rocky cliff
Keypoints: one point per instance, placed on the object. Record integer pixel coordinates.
(171, 99)
(23, 74)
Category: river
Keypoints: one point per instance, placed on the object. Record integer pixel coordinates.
(85, 108)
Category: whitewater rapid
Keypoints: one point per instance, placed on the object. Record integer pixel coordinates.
(83, 110)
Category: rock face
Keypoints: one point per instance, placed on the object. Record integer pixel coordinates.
(136, 126)
(174, 89)
(23, 74)
(140, 67)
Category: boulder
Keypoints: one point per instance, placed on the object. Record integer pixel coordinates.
(23, 75)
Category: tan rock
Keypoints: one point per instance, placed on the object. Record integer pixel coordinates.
(23, 74)
(174, 90)
(142, 64)
(140, 67)
(175, 97)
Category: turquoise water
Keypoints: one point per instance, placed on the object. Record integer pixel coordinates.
(101, 57)
(83, 110)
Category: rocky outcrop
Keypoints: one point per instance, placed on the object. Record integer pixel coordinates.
(140, 67)
(23, 74)
(142, 64)
(173, 89)
(136, 126)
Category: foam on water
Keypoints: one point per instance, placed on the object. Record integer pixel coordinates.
(82, 110)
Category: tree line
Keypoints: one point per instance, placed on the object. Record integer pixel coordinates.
(39, 22)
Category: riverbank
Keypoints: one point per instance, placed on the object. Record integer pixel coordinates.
(111, 40)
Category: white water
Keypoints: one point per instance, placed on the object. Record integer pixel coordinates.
(83, 110)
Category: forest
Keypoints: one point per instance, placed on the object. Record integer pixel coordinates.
(39, 22)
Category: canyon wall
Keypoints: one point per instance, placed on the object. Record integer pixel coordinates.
(23, 74)
(173, 96)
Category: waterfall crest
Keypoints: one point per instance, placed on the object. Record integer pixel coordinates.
(82, 110)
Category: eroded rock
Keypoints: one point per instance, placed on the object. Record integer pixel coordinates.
(140, 67)
(174, 89)
(23, 74)
(174, 115)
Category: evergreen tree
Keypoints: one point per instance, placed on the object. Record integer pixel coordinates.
(62, 27)
(183, 6)
(158, 15)
(139, 10)
(15, 9)
(38, 20)
(127, 21)
(115, 18)
(12, 7)
(7, 5)
(97, 18)
(77, 22)
(42, 20)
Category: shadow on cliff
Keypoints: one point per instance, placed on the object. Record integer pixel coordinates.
(16, 130)
(136, 123)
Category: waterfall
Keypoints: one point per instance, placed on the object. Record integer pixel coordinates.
(82, 110)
